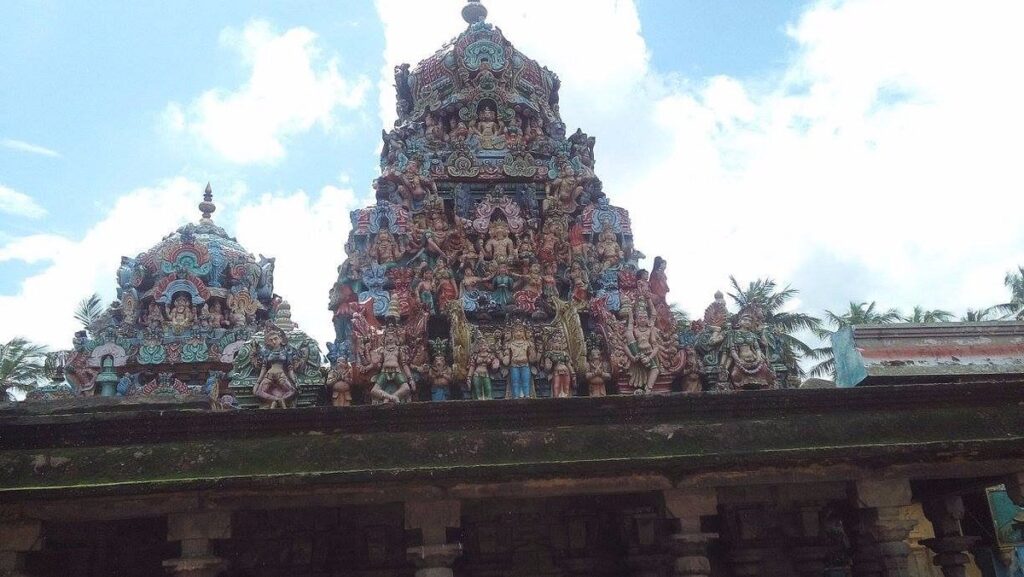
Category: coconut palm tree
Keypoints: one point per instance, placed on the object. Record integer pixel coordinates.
(764, 293)
(89, 310)
(1015, 282)
(21, 364)
(681, 317)
(923, 315)
(991, 313)
(857, 314)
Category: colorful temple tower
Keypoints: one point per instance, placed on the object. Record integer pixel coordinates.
(188, 309)
(493, 262)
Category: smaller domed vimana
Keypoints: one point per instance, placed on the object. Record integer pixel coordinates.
(509, 392)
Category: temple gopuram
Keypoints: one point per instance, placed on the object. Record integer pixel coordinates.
(508, 394)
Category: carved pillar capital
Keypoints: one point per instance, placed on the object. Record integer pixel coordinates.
(195, 530)
(950, 545)
(434, 558)
(881, 526)
(689, 543)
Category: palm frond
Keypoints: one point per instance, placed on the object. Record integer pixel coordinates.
(89, 310)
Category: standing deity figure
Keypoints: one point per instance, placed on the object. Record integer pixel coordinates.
(384, 249)
(154, 317)
(598, 374)
(580, 283)
(181, 313)
(393, 382)
(447, 290)
(559, 366)
(489, 130)
(339, 382)
(518, 355)
(425, 292)
(642, 347)
(412, 186)
(499, 245)
(608, 250)
(746, 360)
(434, 129)
(276, 385)
(483, 361)
(564, 191)
(440, 379)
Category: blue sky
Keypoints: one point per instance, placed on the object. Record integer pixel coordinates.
(751, 138)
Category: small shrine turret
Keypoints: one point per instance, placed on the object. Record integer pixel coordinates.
(183, 309)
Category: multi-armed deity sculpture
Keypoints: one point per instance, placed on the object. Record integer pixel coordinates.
(492, 265)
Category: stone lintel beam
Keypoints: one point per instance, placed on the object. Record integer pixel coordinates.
(689, 544)
(435, 556)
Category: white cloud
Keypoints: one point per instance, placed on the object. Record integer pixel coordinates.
(306, 235)
(19, 203)
(43, 308)
(22, 146)
(292, 87)
(887, 145)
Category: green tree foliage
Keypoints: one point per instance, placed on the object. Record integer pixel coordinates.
(857, 314)
(21, 364)
(923, 315)
(89, 310)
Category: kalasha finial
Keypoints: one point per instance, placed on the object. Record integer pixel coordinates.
(207, 207)
(474, 12)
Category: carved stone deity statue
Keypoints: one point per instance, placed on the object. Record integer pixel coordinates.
(598, 374)
(385, 249)
(440, 379)
(746, 361)
(559, 366)
(564, 191)
(499, 245)
(339, 382)
(642, 347)
(518, 355)
(489, 130)
(393, 382)
(413, 187)
(482, 361)
(276, 384)
(181, 313)
(608, 250)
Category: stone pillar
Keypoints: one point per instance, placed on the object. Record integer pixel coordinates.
(881, 527)
(17, 538)
(434, 558)
(809, 548)
(950, 545)
(689, 544)
(195, 530)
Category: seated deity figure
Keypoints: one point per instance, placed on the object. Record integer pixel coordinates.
(434, 129)
(393, 382)
(598, 374)
(181, 313)
(339, 382)
(746, 361)
(489, 129)
(503, 283)
(564, 191)
(642, 347)
(154, 317)
(276, 384)
(526, 298)
(483, 361)
(499, 245)
(559, 366)
(518, 355)
(458, 131)
(412, 186)
(385, 249)
(608, 250)
(440, 379)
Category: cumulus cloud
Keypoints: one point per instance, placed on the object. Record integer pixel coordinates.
(305, 233)
(292, 87)
(19, 203)
(43, 308)
(885, 148)
(22, 146)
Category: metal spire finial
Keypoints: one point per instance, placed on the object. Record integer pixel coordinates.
(474, 12)
(207, 207)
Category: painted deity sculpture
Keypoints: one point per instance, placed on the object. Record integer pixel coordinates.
(489, 130)
(559, 365)
(642, 347)
(339, 382)
(392, 378)
(598, 373)
(518, 355)
(745, 362)
(276, 384)
(483, 362)
(440, 373)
